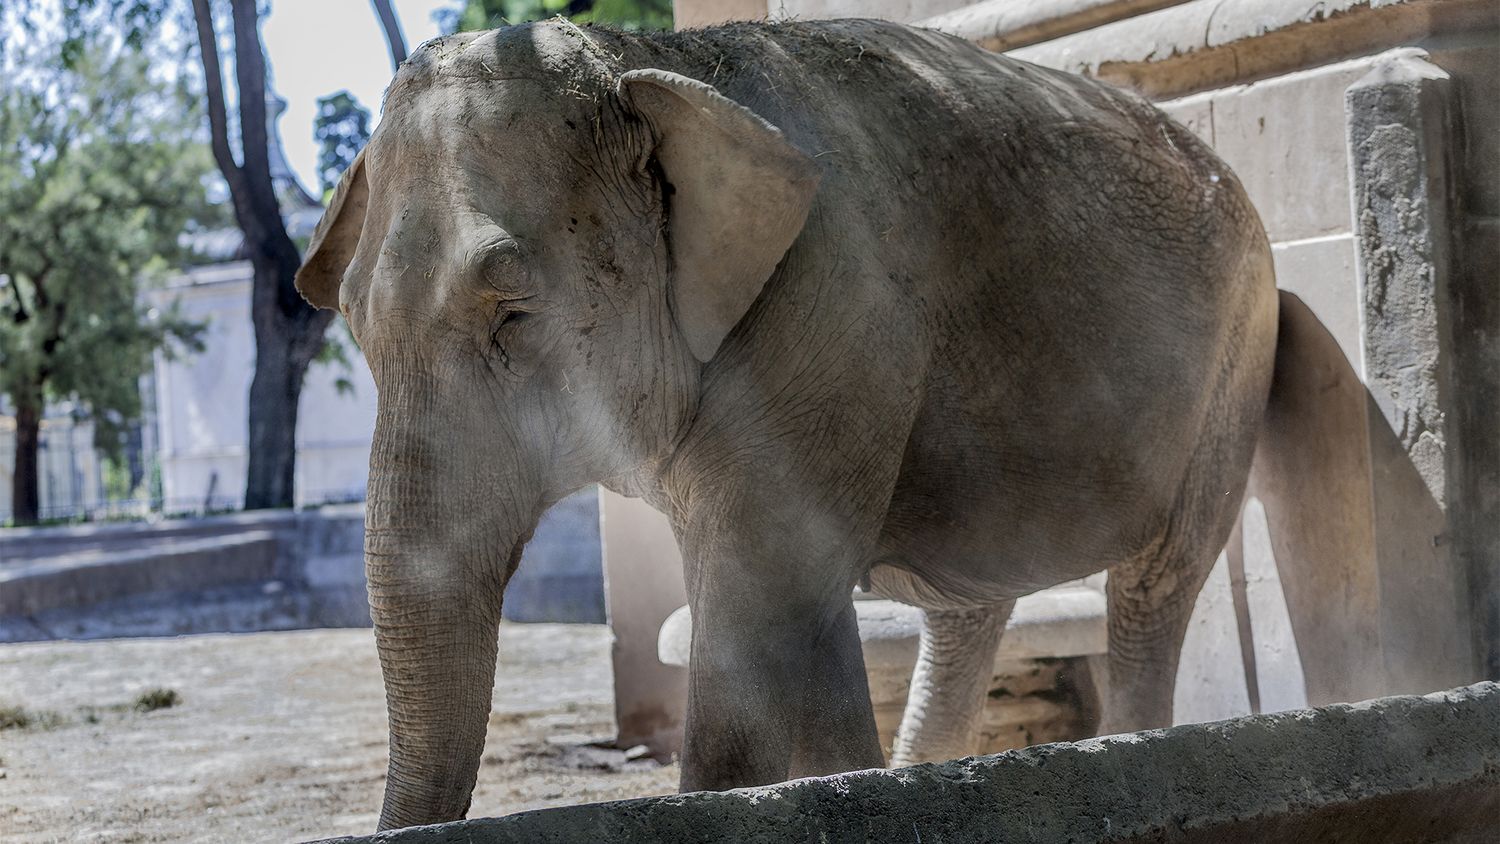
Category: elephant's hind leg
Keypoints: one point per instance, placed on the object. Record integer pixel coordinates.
(955, 663)
(1150, 595)
(1150, 600)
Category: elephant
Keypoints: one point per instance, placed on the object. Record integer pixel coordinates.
(852, 303)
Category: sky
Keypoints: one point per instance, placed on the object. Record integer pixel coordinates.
(318, 47)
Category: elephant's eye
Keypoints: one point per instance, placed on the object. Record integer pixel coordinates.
(500, 264)
(509, 343)
(508, 317)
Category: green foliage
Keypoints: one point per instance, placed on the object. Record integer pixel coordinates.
(335, 352)
(625, 14)
(136, 22)
(116, 479)
(101, 169)
(341, 129)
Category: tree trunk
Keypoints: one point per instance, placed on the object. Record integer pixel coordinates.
(287, 337)
(274, 396)
(392, 26)
(25, 488)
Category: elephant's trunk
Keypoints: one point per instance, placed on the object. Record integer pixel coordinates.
(437, 561)
(437, 652)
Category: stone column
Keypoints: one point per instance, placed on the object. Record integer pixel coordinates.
(642, 586)
(1400, 142)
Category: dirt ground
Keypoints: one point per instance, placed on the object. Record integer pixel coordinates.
(280, 736)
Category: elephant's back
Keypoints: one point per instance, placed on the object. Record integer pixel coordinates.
(934, 148)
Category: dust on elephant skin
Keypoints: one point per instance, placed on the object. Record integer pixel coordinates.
(847, 300)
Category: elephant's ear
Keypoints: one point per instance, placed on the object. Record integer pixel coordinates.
(335, 238)
(739, 196)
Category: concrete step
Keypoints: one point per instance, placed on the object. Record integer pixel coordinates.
(93, 576)
(1064, 621)
(270, 605)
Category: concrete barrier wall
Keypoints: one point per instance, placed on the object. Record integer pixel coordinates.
(1395, 769)
(79, 580)
(264, 570)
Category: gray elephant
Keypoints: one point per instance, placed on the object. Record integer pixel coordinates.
(846, 300)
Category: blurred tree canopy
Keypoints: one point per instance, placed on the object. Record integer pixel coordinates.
(289, 333)
(488, 14)
(102, 168)
(342, 128)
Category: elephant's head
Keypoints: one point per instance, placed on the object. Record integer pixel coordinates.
(537, 254)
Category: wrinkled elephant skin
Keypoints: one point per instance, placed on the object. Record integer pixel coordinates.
(845, 300)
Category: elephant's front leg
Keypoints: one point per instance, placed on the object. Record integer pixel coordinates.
(836, 730)
(776, 678)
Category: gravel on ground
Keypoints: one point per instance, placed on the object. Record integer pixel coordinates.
(280, 736)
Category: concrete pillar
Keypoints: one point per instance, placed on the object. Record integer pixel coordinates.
(642, 586)
(1400, 142)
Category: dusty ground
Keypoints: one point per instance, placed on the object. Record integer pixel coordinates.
(280, 736)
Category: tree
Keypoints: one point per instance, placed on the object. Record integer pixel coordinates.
(488, 14)
(341, 129)
(289, 333)
(101, 170)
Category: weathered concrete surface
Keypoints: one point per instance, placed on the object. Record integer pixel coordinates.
(1391, 770)
(266, 570)
(561, 576)
(1400, 135)
(1207, 44)
(1006, 24)
(643, 585)
(76, 580)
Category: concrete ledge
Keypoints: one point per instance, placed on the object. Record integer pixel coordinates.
(1391, 770)
(1006, 24)
(315, 555)
(1063, 621)
(91, 577)
(20, 544)
(1212, 43)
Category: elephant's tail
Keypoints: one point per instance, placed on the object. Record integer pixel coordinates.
(1311, 476)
